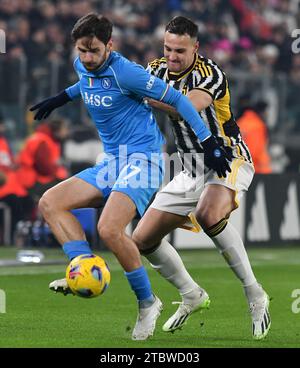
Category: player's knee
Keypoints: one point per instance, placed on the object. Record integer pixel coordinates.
(208, 216)
(111, 236)
(46, 205)
(140, 241)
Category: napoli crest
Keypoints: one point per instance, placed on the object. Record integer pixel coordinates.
(106, 83)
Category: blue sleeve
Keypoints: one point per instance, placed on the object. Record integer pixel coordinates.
(135, 79)
(73, 91)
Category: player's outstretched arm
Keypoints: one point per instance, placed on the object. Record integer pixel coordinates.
(200, 100)
(45, 107)
(138, 81)
(209, 145)
(170, 110)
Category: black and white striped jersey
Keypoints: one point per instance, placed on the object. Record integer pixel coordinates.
(204, 74)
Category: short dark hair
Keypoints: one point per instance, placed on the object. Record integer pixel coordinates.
(93, 25)
(182, 25)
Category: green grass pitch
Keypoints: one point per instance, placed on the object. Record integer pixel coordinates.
(36, 317)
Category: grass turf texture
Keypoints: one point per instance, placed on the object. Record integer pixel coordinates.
(36, 317)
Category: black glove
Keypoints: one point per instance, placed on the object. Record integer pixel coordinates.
(45, 107)
(215, 156)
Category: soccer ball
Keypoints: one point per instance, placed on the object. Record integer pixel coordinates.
(88, 275)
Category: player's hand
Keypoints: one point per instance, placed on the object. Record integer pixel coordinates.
(153, 103)
(215, 157)
(45, 107)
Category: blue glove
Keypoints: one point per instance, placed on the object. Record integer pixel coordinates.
(45, 107)
(215, 156)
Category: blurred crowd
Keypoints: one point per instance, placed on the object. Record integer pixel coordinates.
(249, 35)
(252, 36)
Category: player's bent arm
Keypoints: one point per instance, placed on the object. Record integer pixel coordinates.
(137, 81)
(199, 99)
(215, 157)
(170, 110)
(133, 78)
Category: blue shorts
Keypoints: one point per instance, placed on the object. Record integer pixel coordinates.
(138, 175)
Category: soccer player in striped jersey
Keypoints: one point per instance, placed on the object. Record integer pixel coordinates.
(112, 89)
(193, 199)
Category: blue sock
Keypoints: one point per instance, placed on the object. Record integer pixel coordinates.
(75, 248)
(140, 284)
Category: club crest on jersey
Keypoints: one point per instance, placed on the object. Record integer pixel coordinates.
(106, 83)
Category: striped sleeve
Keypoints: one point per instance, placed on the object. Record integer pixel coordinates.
(149, 69)
(153, 67)
(210, 78)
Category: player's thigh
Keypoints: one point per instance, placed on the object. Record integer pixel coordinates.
(220, 196)
(71, 194)
(154, 226)
(215, 203)
(118, 212)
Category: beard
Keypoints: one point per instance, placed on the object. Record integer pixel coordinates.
(95, 66)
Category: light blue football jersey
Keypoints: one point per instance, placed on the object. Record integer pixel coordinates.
(113, 95)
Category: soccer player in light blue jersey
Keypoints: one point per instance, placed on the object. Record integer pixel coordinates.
(113, 89)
